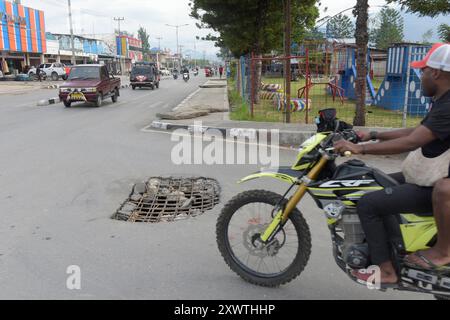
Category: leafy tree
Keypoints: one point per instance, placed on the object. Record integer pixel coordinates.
(389, 28)
(444, 32)
(253, 26)
(314, 34)
(426, 37)
(340, 27)
(430, 8)
(145, 38)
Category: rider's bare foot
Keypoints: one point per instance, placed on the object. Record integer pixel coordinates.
(387, 273)
(436, 257)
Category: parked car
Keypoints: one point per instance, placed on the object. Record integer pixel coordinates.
(144, 74)
(53, 71)
(164, 72)
(89, 83)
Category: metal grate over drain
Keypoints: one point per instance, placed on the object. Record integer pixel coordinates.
(169, 199)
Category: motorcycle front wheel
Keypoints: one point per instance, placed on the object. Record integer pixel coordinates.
(238, 229)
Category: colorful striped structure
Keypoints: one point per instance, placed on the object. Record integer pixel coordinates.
(297, 105)
(401, 87)
(273, 92)
(22, 29)
(270, 87)
(129, 47)
(347, 80)
(267, 95)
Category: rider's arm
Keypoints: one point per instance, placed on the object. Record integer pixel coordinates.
(391, 135)
(418, 138)
(384, 136)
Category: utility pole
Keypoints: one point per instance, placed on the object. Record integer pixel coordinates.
(159, 42)
(181, 55)
(72, 41)
(195, 53)
(119, 20)
(287, 68)
(177, 27)
(159, 51)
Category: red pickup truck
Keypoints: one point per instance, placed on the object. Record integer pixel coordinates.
(89, 83)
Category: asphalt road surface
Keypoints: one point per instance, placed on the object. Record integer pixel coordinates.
(64, 172)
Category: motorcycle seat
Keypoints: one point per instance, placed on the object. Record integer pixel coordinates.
(384, 179)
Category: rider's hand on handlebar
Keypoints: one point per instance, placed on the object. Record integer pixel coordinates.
(363, 136)
(342, 146)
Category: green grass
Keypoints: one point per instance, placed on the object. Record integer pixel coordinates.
(266, 111)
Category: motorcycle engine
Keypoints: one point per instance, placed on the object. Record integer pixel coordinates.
(355, 249)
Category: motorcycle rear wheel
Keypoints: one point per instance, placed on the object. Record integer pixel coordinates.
(302, 254)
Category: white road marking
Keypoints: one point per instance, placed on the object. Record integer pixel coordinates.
(187, 99)
(146, 130)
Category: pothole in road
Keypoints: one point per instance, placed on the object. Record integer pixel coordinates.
(169, 199)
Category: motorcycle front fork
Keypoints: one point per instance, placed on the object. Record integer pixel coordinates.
(283, 214)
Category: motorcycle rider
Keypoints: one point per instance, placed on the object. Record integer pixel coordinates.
(433, 136)
(185, 70)
(175, 73)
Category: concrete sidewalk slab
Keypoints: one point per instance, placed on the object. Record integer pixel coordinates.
(292, 134)
(215, 83)
(208, 99)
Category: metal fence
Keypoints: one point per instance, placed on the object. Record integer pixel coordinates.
(324, 75)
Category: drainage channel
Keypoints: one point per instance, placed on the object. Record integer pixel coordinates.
(167, 199)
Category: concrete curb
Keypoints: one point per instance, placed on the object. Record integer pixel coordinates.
(53, 86)
(213, 86)
(291, 138)
(286, 137)
(43, 103)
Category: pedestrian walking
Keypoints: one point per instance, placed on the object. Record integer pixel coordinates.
(221, 71)
(38, 73)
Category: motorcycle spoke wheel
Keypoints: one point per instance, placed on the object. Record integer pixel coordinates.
(239, 227)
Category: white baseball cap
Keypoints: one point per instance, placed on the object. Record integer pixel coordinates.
(437, 58)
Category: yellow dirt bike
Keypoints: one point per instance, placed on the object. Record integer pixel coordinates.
(265, 239)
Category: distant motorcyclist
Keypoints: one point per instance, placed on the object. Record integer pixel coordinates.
(175, 73)
(184, 71)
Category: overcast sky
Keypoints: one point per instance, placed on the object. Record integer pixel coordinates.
(96, 16)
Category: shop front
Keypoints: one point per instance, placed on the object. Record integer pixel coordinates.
(130, 51)
(22, 37)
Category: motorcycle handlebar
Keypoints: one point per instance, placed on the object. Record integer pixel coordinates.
(347, 154)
